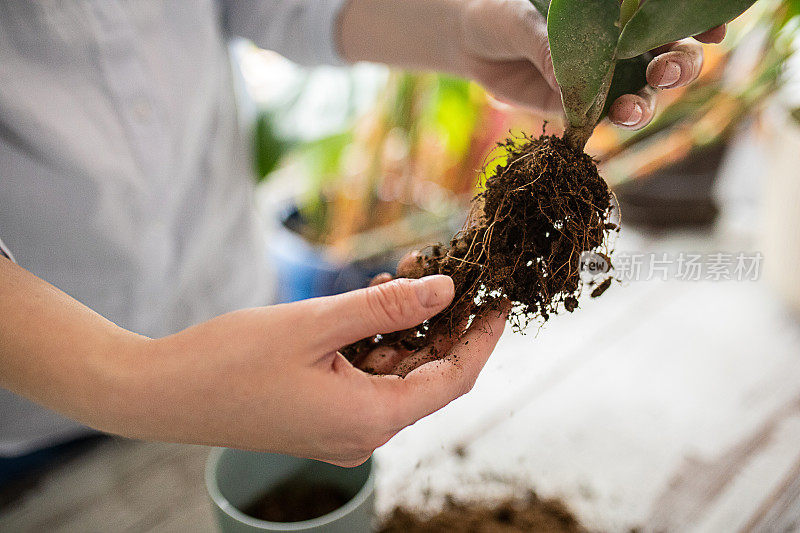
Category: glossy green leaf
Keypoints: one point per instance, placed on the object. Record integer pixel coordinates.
(658, 22)
(627, 10)
(583, 38)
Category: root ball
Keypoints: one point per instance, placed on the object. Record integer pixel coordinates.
(542, 207)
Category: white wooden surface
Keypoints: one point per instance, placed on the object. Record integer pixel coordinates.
(668, 406)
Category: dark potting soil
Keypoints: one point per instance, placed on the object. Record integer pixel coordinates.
(297, 499)
(543, 205)
(529, 515)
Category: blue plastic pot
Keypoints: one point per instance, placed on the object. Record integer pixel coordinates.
(303, 271)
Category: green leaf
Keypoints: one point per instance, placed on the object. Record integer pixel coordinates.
(626, 11)
(542, 6)
(583, 38)
(658, 22)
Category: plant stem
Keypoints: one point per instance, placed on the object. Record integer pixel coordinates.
(577, 135)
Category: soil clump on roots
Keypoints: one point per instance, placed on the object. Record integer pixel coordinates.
(542, 207)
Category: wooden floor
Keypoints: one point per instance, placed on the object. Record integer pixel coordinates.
(664, 406)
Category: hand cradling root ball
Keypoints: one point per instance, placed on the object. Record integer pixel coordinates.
(541, 209)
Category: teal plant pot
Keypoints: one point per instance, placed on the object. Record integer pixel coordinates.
(236, 478)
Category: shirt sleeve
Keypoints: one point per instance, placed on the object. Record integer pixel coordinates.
(4, 251)
(301, 30)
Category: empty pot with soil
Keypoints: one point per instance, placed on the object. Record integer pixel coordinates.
(254, 492)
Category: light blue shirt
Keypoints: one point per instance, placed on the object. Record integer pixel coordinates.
(124, 174)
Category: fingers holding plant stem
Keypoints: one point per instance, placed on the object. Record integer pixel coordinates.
(676, 65)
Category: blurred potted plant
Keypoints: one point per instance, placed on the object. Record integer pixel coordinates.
(400, 176)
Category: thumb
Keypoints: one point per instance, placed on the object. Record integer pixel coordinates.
(509, 31)
(528, 35)
(392, 306)
(536, 47)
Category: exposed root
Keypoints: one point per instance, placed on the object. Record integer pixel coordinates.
(542, 208)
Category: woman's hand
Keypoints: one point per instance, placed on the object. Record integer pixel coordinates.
(675, 65)
(271, 378)
(501, 44)
(267, 379)
(506, 49)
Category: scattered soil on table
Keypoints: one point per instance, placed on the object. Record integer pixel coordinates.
(529, 515)
(297, 499)
(542, 206)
